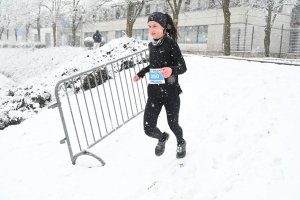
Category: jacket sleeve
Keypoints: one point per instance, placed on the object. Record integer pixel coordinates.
(177, 57)
(143, 71)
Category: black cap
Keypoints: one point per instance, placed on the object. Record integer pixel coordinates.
(159, 18)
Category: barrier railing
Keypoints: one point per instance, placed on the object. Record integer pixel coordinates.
(95, 103)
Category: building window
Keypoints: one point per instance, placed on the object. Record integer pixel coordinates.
(191, 5)
(48, 39)
(153, 8)
(204, 4)
(296, 15)
(104, 36)
(140, 34)
(202, 34)
(77, 40)
(120, 33)
(163, 7)
(100, 16)
(88, 34)
(194, 4)
(104, 17)
(120, 13)
(193, 34)
(186, 4)
(211, 4)
(109, 15)
(36, 37)
(294, 40)
(147, 9)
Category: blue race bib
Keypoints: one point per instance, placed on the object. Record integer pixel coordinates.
(155, 77)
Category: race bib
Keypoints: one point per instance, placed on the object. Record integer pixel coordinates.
(155, 77)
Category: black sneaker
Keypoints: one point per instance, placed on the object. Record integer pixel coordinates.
(181, 150)
(160, 147)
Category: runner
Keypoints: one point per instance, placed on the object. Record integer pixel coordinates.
(166, 63)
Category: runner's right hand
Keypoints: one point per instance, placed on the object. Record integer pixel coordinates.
(136, 78)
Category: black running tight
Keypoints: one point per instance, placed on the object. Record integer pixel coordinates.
(152, 111)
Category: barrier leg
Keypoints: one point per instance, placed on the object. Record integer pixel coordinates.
(85, 152)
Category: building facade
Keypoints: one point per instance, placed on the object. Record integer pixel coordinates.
(200, 27)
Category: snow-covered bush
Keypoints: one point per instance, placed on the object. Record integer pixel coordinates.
(19, 45)
(101, 76)
(18, 104)
(39, 45)
(90, 80)
(88, 42)
(22, 45)
(4, 45)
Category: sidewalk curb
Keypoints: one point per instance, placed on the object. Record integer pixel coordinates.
(254, 60)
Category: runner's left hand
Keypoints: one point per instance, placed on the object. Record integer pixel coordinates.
(166, 72)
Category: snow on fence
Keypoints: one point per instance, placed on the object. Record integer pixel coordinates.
(94, 103)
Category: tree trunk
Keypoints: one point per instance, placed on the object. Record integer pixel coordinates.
(16, 34)
(175, 7)
(27, 31)
(54, 33)
(38, 24)
(129, 26)
(129, 29)
(133, 11)
(226, 27)
(38, 28)
(1, 32)
(73, 34)
(74, 27)
(175, 21)
(7, 34)
(267, 40)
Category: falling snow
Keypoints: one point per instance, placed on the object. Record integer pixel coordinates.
(240, 120)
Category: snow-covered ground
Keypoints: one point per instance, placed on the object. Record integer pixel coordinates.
(240, 121)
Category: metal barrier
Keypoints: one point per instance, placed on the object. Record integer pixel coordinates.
(250, 38)
(99, 101)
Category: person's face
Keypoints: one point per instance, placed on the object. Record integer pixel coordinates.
(155, 29)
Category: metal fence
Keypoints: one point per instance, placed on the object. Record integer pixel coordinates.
(94, 103)
(250, 38)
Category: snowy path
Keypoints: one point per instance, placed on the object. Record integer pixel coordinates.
(241, 123)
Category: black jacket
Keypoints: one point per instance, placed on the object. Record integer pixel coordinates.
(97, 37)
(167, 54)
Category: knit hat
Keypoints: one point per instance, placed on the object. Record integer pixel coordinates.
(159, 18)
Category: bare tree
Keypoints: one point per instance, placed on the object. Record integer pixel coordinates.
(271, 9)
(175, 6)
(1, 31)
(6, 16)
(27, 17)
(227, 23)
(134, 9)
(55, 12)
(1, 20)
(77, 11)
(38, 20)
